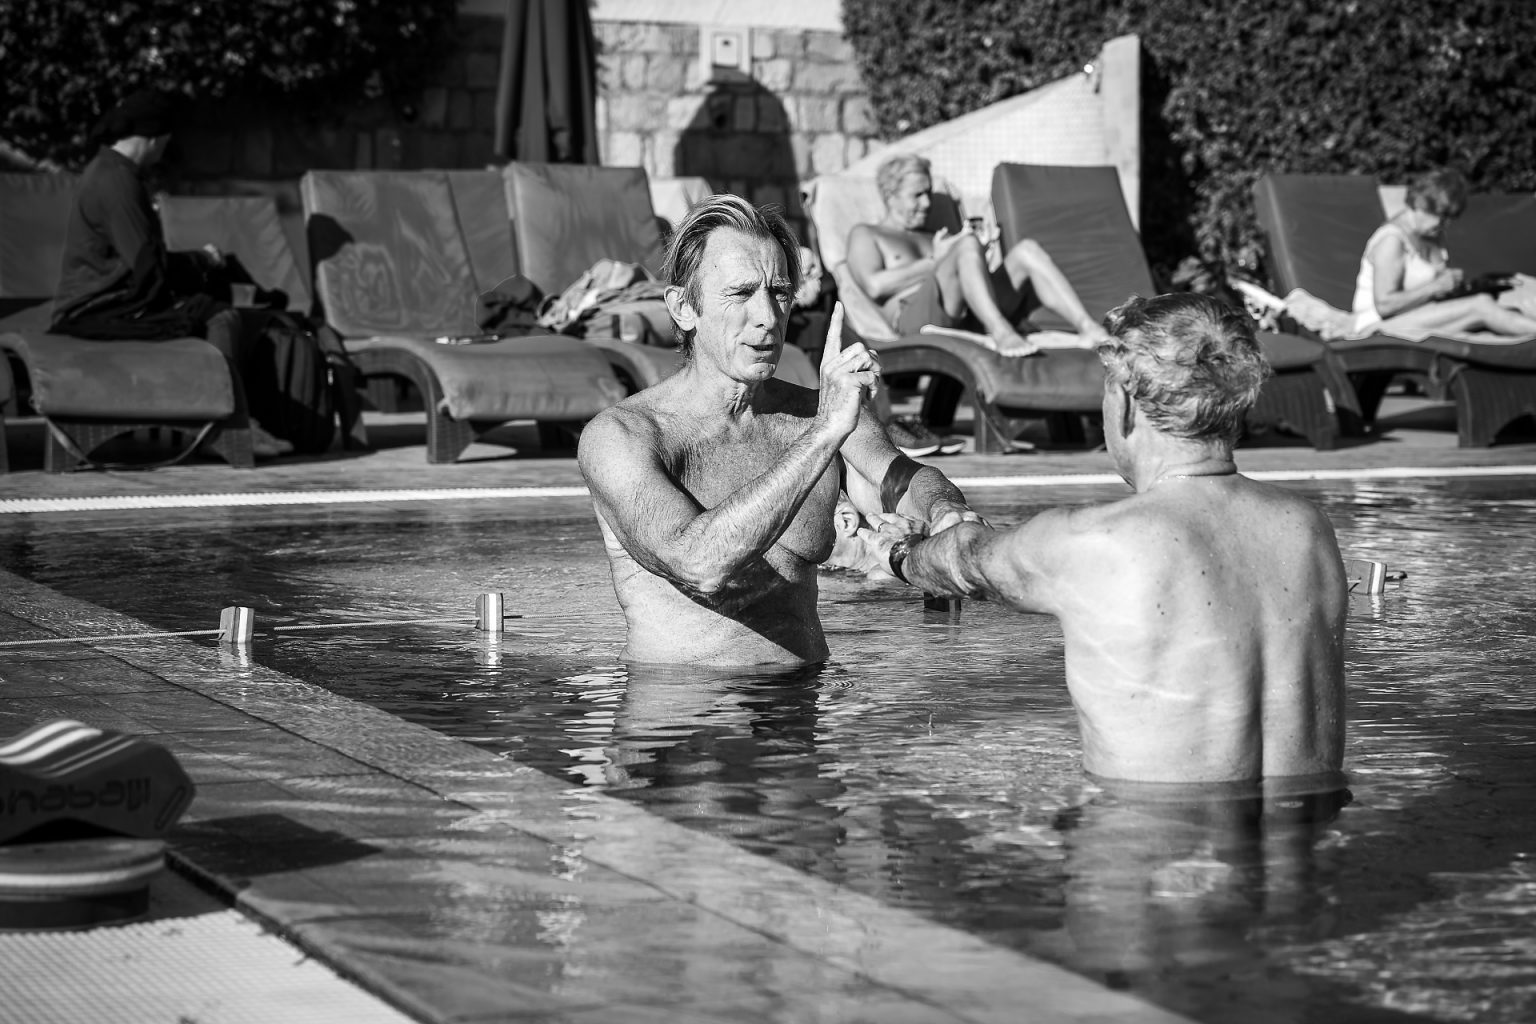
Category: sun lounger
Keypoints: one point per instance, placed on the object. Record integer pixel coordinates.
(562, 218)
(1317, 227)
(247, 227)
(1078, 215)
(393, 276)
(1006, 394)
(566, 217)
(91, 391)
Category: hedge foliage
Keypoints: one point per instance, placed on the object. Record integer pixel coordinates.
(1233, 90)
(66, 62)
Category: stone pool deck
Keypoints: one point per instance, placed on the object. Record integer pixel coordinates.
(1413, 434)
(451, 885)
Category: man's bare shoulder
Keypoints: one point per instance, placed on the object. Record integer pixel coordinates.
(1274, 505)
(886, 236)
(1171, 521)
(619, 431)
(1064, 536)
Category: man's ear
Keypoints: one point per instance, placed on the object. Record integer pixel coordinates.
(681, 309)
(846, 519)
(1127, 412)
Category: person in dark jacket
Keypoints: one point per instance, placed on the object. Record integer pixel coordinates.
(118, 281)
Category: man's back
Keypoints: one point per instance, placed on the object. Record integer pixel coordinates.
(1204, 625)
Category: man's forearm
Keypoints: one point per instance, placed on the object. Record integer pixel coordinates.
(929, 495)
(721, 540)
(946, 563)
(891, 281)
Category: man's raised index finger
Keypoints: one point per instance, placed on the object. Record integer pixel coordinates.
(834, 345)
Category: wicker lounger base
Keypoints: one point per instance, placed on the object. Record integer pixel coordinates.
(84, 436)
(446, 437)
(1491, 391)
(954, 372)
(1309, 393)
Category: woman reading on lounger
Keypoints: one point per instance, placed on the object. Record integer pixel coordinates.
(1406, 280)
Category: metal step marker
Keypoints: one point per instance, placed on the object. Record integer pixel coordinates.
(237, 624)
(490, 612)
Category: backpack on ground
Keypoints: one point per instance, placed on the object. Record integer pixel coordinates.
(298, 402)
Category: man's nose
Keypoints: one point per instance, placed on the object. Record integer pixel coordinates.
(763, 308)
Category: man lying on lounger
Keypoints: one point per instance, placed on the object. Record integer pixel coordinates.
(1204, 615)
(714, 489)
(921, 277)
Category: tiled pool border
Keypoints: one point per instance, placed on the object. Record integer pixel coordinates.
(342, 878)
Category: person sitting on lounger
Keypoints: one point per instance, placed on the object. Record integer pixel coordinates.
(1203, 615)
(117, 280)
(921, 277)
(1406, 280)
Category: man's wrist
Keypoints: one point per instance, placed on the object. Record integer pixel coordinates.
(896, 557)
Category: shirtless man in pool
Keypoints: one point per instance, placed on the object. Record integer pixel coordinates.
(1204, 615)
(715, 489)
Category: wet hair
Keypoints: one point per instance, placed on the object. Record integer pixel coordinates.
(1190, 363)
(685, 251)
(889, 175)
(147, 112)
(1442, 193)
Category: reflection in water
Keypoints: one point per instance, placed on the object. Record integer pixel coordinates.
(1172, 878)
(1150, 886)
(699, 743)
(934, 764)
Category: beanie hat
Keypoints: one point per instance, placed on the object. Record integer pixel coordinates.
(148, 112)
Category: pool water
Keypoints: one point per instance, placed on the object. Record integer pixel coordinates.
(933, 763)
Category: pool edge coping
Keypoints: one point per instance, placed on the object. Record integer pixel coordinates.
(947, 968)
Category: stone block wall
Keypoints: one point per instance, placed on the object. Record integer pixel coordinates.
(803, 111)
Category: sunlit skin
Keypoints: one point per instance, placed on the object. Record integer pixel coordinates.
(1203, 616)
(1424, 306)
(715, 489)
(890, 259)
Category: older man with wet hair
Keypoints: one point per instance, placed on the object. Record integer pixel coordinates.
(714, 489)
(921, 277)
(1204, 615)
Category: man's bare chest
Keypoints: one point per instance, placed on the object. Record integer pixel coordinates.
(901, 247)
(716, 468)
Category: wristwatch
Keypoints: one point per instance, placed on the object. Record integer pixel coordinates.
(898, 554)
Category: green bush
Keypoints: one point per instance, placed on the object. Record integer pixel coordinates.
(69, 61)
(1231, 91)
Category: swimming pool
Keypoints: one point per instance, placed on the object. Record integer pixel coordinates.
(933, 763)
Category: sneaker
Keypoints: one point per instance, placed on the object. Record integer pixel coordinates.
(267, 446)
(909, 442)
(923, 438)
